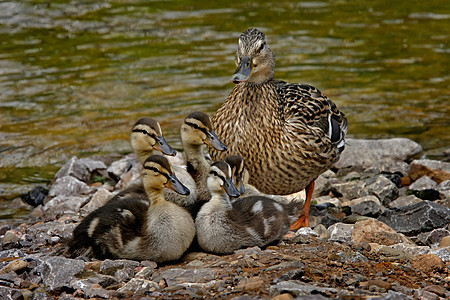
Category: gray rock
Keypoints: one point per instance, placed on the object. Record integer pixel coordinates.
(383, 188)
(366, 206)
(124, 274)
(64, 204)
(249, 251)
(362, 154)
(414, 250)
(444, 188)
(423, 183)
(100, 197)
(391, 295)
(432, 164)
(69, 186)
(120, 167)
(10, 237)
(349, 190)
(57, 272)
(416, 218)
(109, 267)
(432, 238)
(306, 231)
(443, 253)
(178, 276)
(139, 286)
(352, 257)
(322, 186)
(12, 253)
(341, 232)
(9, 293)
(298, 288)
(327, 199)
(404, 201)
(133, 176)
(73, 168)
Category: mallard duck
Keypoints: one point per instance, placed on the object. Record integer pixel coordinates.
(146, 136)
(157, 229)
(288, 134)
(223, 227)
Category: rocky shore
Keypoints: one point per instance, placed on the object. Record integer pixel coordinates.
(380, 229)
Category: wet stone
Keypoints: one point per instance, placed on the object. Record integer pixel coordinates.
(36, 196)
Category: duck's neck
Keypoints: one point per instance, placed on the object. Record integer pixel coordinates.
(198, 168)
(142, 155)
(155, 195)
(222, 200)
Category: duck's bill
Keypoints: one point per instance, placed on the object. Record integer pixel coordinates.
(230, 189)
(242, 188)
(162, 146)
(174, 184)
(243, 71)
(213, 141)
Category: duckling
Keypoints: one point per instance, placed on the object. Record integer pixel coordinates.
(241, 176)
(196, 132)
(157, 229)
(288, 134)
(145, 136)
(223, 227)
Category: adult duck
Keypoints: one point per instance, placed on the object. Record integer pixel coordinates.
(288, 134)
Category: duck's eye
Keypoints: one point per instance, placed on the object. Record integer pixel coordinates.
(214, 173)
(261, 47)
(195, 126)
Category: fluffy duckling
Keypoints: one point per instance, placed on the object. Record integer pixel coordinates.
(153, 229)
(146, 136)
(241, 177)
(196, 132)
(223, 227)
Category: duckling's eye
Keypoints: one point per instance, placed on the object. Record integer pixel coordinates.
(195, 126)
(214, 173)
(152, 169)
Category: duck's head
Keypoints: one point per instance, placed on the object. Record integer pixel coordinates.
(197, 130)
(254, 60)
(220, 179)
(146, 135)
(239, 172)
(157, 173)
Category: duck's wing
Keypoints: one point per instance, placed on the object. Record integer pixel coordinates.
(305, 106)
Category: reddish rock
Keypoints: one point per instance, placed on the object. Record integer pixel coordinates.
(417, 169)
(380, 283)
(427, 263)
(373, 231)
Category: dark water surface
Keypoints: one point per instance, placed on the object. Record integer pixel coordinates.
(74, 76)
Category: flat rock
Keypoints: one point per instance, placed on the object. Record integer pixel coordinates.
(57, 272)
(366, 206)
(412, 249)
(69, 186)
(110, 266)
(373, 231)
(298, 288)
(437, 170)
(404, 201)
(427, 263)
(416, 218)
(64, 204)
(139, 286)
(177, 276)
(362, 153)
(424, 183)
(341, 232)
(350, 190)
(99, 199)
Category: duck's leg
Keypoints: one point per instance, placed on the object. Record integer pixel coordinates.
(303, 220)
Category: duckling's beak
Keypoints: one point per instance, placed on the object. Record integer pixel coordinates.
(174, 184)
(242, 188)
(162, 146)
(213, 141)
(230, 189)
(243, 71)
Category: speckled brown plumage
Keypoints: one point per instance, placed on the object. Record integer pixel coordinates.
(288, 134)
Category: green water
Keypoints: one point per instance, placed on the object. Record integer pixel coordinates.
(74, 76)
